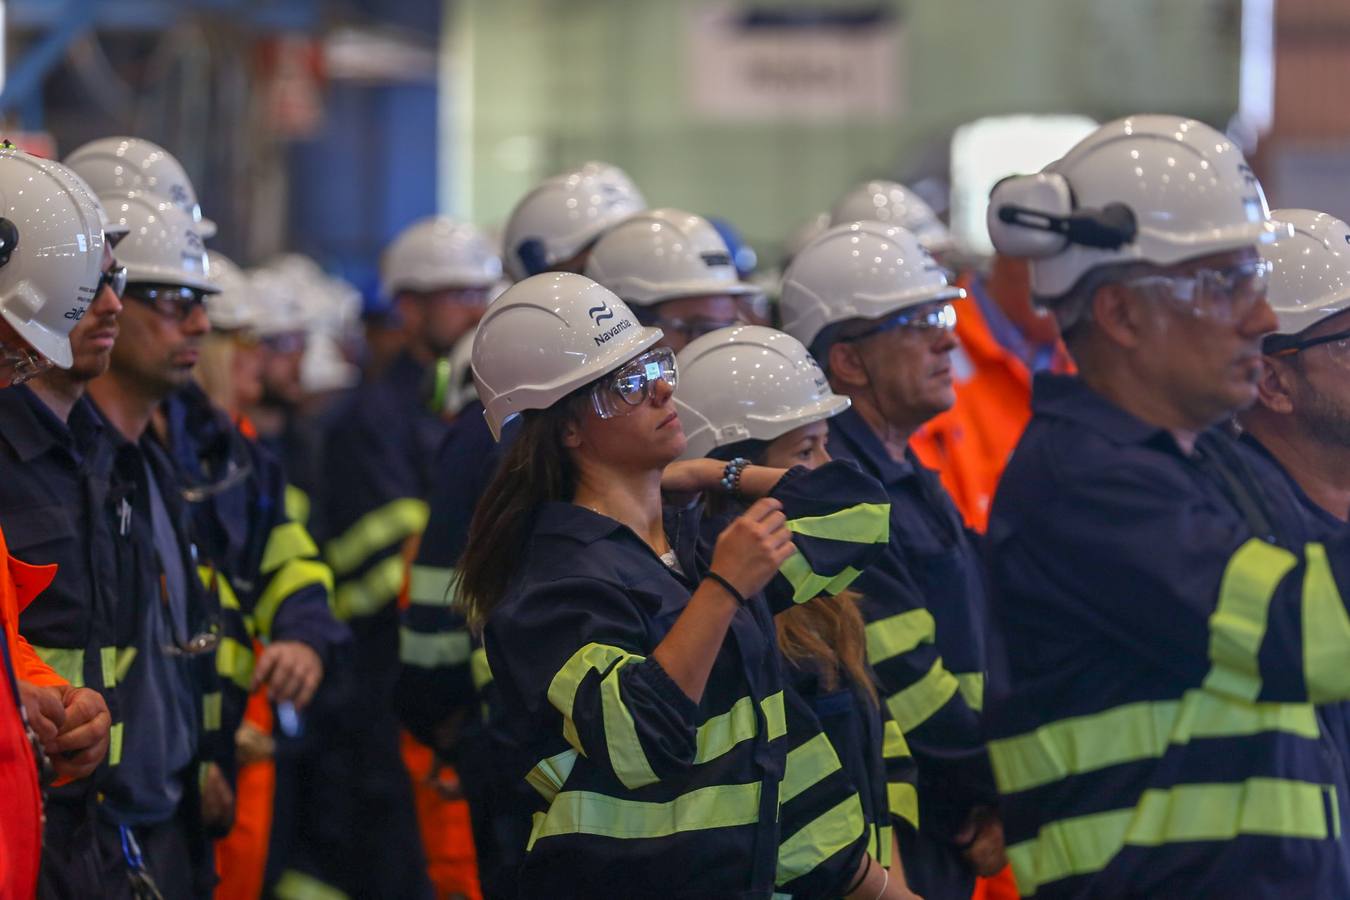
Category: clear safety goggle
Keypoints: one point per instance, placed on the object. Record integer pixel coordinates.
(1226, 295)
(628, 388)
(930, 318)
(1338, 347)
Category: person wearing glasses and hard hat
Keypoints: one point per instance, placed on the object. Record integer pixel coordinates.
(1155, 731)
(52, 257)
(675, 272)
(554, 227)
(875, 309)
(640, 690)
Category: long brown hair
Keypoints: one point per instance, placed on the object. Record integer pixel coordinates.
(536, 469)
(828, 631)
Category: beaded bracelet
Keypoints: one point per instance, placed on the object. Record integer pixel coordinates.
(731, 475)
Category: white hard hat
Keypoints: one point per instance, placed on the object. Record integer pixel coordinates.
(749, 383)
(111, 229)
(1155, 189)
(664, 254)
(892, 203)
(859, 271)
(323, 368)
(234, 308)
(162, 245)
(563, 215)
(51, 252)
(118, 165)
(438, 253)
(1309, 272)
(547, 336)
(279, 307)
(804, 234)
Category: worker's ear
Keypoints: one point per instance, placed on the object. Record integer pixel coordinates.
(1275, 387)
(571, 434)
(1120, 316)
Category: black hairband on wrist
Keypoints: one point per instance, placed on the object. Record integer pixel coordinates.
(726, 586)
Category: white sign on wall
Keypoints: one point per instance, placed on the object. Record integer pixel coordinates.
(803, 65)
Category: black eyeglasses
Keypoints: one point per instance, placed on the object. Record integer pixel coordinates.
(115, 278)
(168, 300)
(1338, 345)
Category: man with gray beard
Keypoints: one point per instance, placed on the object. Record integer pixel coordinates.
(1302, 418)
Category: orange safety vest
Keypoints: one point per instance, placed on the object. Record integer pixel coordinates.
(21, 808)
(970, 443)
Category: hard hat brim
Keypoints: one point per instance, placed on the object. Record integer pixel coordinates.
(52, 346)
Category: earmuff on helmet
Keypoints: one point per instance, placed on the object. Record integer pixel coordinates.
(1037, 216)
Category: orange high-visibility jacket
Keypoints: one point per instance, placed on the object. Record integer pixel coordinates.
(970, 443)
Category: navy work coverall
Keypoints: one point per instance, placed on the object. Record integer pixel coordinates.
(926, 612)
(1154, 733)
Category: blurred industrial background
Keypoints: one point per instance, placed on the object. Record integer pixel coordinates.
(325, 126)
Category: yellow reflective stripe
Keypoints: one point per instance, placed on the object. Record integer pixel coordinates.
(375, 531)
(1326, 631)
(224, 590)
(66, 662)
(912, 706)
(775, 717)
(893, 743)
(549, 775)
(234, 661)
(371, 592)
(820, 839)
(899, 634)
(125, 657)
(971, 685)
(885, 844)
(296, 885)
(586, 812)
(1193, 812)
(289, 540)
(1136, 731)
(865, 523)
(107, 658)
(806, 765)
(430, 585)
(902, 799)
(297, 505)
(115, 743)
(211, 711)
(1238, 624)
(807, 585)
(479, 670)
(431, 651)
(625, 751)
(721, 733)
(293, 576)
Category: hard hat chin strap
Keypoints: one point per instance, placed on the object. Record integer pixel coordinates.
(1108, 228)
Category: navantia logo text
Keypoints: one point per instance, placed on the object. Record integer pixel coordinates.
(600, 313)
(604, 336)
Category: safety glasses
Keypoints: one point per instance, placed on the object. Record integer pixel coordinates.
(175, 302)
(1338, 346)
(1226, 295)
(623, 391)
(930, 318)
(115, 278)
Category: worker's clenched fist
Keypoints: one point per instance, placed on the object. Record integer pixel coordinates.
(44, 709)
(750, 549)
(291, 670)
(82, 741)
